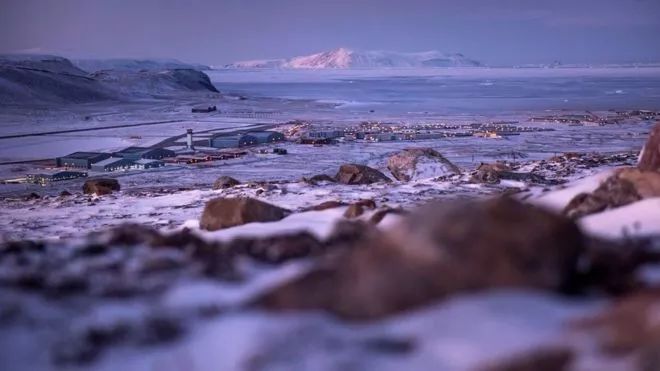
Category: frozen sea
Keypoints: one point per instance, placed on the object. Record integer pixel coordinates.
(454, 91)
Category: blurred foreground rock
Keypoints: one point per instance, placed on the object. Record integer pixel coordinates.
(440, 250)
(221, 213)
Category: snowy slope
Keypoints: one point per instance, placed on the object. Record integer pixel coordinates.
(344, 58)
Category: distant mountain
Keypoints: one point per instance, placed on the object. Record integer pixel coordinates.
(47, 78)
(37, 79)
(343, 58)
(126, 64)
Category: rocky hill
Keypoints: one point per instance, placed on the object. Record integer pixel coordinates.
(127, 64)
(39, 79)
(344, 58)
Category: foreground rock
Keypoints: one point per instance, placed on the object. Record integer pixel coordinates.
(223, 213)
(543, 359)
(225, 182)
(461, 246)
(650, 157)
(624, 187)
(420, 163)
(101, 186)
(629, 328)
(359, 174)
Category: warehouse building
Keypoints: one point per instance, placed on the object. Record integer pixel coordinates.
(233, 141)
(265, 137)
(81, 160)
(113, 164)
(137, 153)
(144, 164)
(45, 178)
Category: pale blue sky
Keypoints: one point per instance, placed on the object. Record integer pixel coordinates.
(222, 31)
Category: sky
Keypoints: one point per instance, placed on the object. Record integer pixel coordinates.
(495, 32)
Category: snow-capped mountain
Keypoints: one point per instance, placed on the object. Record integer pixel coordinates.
(343, 58)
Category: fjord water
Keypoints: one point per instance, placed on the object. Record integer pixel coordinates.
(455, 91)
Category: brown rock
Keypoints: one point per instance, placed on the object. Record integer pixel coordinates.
(646, 183)
(459, 247)
(359, 174)
(353, 211)
(543, 359)
(629, 325)
(615, 191)
(225, 182)
(489, 173)
(650, 157)
(414, 163)
(325, 206)
(65, 193)
(222, 213)
(101, 186)
(379, 215)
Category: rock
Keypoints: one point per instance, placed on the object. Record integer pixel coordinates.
(649, 159)
(65, 193)
(420, 163)
(436, 252)
(626, 326)
(320, 178)
(325, 206)
(379, 215)
(543, 359)
(624, 187)
(359, 174)
(353, 211)
(493, 173)
(222, 213)
(646, 183)
(277, 249)
(100, 186)
(489, 173)
(32, 196)
(225, 182)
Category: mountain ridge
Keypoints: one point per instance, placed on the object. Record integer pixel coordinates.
(345, 58)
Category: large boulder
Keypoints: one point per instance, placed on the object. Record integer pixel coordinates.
(420, 163)
(100, 186)
(436, 252)
(650, 157)
(222, 213)
(359, 174)
(225, 182)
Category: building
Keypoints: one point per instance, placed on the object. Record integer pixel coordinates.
(144, 164)
(44, 178)
(114, 164)
(81, 160)
(204, 109)
(233, 141)
(322, 134)
(137, 153)
(265, 137)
